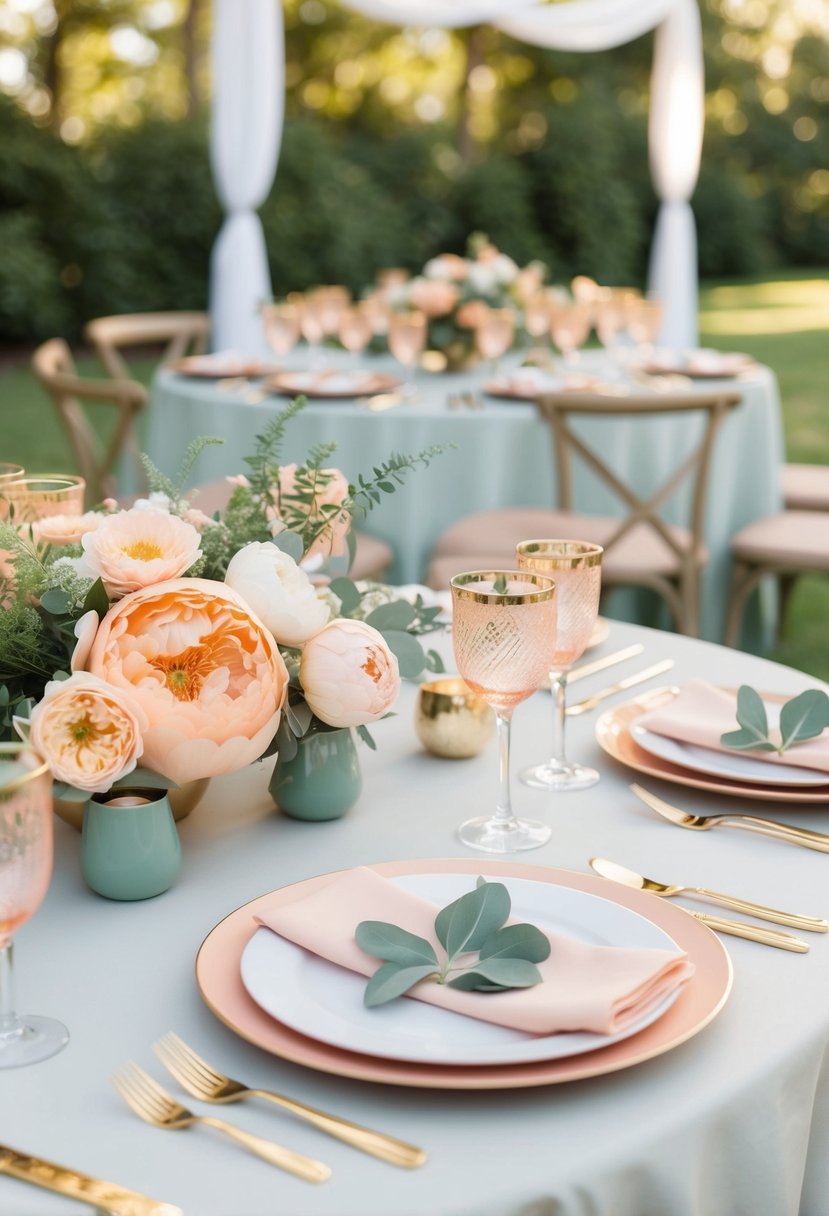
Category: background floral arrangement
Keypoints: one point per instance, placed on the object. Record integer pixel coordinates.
(196, 645)
(451, 291)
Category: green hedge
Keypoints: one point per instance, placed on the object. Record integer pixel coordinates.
(127, 224)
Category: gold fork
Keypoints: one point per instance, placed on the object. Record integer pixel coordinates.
(154, 1105)
(203, 1081)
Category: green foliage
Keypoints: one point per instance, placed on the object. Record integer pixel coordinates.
(803, 717)
(474, 923)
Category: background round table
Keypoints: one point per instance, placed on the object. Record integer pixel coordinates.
(502, 457)
(735, 1120)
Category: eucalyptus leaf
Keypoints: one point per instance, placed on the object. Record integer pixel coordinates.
(743, 740)
(285, 740)
(520, 941)
(398, 615)
(467, 922)
(97, 599)
(299, 717)
(347, 593)
(391, 981)
(144, 777)
(471, 981)
(508, 972)
(804, 717)
(751, 712)
(407, 650)
(365, 734)
(394, 945)
(55, 601)
(290, 543)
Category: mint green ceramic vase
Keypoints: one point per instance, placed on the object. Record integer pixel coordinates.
(129, 844)
(323, 780)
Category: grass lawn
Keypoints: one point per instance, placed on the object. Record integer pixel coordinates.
(781, 320)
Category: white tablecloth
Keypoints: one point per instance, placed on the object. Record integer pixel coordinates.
(735, 1122)
(502, 457)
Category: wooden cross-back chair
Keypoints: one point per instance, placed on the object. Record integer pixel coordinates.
(54, 367)
(179, 333)
(641, 548)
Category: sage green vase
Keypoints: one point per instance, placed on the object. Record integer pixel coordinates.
(323, 780)
(129, 844)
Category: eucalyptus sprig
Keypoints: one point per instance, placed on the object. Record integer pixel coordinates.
(803, 717)
(473, 924)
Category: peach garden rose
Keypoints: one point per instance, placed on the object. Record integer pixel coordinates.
(89, 732)
(348, 674)
(201, 666)
(137, 548)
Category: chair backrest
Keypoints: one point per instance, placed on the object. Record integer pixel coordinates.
(54, 367)
(692, 467)
(179, 333)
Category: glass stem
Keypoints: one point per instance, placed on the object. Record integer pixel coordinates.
(8, 1017)
(558, 689)
(503, 809)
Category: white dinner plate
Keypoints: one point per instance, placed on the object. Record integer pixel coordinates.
(734, 765)
(325, 1002)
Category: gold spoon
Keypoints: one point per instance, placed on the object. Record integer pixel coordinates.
(612, 870)
(701, 823)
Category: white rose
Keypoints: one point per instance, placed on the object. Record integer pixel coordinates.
(505, 269)
(278, 592)
(482, 278)
(348, 674)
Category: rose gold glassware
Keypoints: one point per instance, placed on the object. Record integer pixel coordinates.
(613, 309)
(494, 334)
(570, 327)
(355, 329)
(310, 323)
(42, 494)
(503, 630)
(25, 870)
(331, 303)
(576, 568)
(644, 321)
(281, 322)
(407, 336)
(10, 472)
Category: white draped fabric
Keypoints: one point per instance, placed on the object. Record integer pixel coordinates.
(249, 61)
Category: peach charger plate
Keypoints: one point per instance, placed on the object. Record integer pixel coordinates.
(614, 737)
(219, 981)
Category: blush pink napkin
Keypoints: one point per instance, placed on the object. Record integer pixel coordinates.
(586, 987)
(701, 713)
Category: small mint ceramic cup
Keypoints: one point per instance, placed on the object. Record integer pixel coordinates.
(323, 780)
(130, 847)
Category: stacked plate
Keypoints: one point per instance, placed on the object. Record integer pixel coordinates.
(296, 1005)
(621, 734)
(332, 385)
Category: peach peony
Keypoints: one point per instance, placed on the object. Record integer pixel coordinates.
(348, 674)
(138, 548)
(65, 529)
(89, 732)
(331, 490)
(205, 671)
(434, 297)
(448, 267)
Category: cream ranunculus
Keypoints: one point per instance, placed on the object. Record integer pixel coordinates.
(65, 529)
(278, 591)
(140, 547)
(204, 669)
(348, 674)
(89, 733)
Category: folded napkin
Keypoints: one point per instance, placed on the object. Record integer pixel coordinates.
(701, 713)
(597, 988)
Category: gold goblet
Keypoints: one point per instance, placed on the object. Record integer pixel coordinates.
(43, 494)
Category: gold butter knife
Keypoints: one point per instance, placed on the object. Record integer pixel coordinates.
(753, 933)
(582, 707)
(105, 1196)
(609, 660)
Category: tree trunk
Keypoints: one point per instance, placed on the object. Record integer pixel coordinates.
(190, 31)
(474, 57)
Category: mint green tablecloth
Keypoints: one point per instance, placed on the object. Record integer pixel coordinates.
(502, 457)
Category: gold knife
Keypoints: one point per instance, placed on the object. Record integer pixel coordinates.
(753, 933)
(105, 1196)
(609, 660)
(583, 707)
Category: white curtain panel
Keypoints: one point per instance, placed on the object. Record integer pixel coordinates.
(247, 125)
(248, 104)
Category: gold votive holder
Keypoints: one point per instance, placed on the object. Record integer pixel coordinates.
(42, 494)
(451, 720)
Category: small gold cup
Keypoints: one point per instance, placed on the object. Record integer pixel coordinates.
(451, 720)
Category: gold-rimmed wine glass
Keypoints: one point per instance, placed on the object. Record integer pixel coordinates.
(494, 334)
(42, 494)
(644, 321)
(356, 329)
(407, 337)
(281, 324)
(310, 325)
(25, 871)
(576, 567)
(570, 327)
(503, 632)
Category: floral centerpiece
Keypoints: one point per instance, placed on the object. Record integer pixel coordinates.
(194, 645)
(453, 292)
